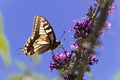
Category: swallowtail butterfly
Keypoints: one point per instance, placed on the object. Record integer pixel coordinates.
(42, 39)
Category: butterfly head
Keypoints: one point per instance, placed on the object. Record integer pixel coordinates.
(28, 51)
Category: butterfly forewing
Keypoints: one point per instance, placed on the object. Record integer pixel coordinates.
(48, 30)
(42, 39)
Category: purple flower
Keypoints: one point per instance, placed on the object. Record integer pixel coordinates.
(107, 25)
(84, 50)
(60, 60)
(111, 9)
(101, 33)
(82, 28)
(75, 45)
(92, 59)
(86, 32)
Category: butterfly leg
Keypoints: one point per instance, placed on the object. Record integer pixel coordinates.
(62, 47)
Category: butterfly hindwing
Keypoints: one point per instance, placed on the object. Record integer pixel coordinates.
(42, 44)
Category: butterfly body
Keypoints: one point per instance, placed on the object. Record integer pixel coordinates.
(43, 38)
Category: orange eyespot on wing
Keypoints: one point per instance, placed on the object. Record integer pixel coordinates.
(31, 53)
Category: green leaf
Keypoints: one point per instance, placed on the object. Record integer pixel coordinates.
(36, 58)
(21, 65)
(40, 77)
(4, 46)
(28, 76)
(90, 74)
(117, 76)
(15, 77)
(58, 78)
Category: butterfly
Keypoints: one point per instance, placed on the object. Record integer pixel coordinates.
(42, 39)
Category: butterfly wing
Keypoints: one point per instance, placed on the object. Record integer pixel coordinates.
(42, 39)
(28, 47)
(41, 45)
(46, 29)
(36, 26)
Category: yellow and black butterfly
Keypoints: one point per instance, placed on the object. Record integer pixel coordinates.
(42, 39)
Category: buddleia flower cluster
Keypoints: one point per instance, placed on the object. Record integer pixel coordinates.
(86, 32)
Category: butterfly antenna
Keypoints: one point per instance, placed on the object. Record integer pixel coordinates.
(60, 39)
(19, 49)
(18, 52)
(62, 35)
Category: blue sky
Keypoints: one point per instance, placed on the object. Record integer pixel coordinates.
(18, 23)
